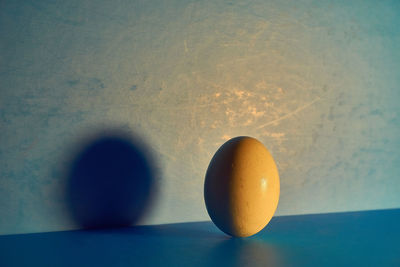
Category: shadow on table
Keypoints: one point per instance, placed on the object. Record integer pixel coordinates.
(198, 244)
(181, 244)
(336, 239)
(244, 252)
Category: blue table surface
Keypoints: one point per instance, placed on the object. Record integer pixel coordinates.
(368, 238)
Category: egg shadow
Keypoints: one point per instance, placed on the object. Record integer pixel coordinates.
(111, 181)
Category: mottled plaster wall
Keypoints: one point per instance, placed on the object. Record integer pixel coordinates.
(316, 81)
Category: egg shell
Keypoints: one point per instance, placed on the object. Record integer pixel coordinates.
(241, 189)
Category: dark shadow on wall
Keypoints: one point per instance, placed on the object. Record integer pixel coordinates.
(111, 181)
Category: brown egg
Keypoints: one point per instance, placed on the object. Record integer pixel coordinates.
(241, 189)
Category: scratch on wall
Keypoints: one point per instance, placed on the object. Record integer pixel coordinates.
(290, 114)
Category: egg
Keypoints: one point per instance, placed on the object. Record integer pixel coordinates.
(241, 188)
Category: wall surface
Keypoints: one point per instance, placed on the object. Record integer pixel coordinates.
(316, 81)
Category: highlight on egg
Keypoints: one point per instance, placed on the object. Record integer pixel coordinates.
(241, 188)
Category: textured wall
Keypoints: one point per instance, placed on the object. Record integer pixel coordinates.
(316, 81)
